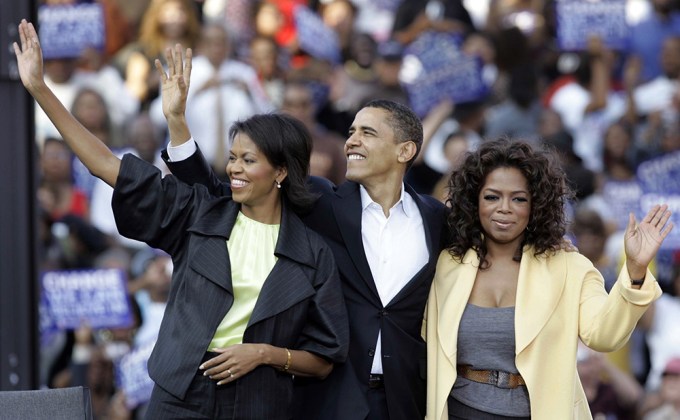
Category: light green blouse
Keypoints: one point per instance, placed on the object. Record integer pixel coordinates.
(251, 253)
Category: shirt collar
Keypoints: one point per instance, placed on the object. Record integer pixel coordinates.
(405, 202)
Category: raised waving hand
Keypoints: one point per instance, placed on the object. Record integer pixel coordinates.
(94, 154)
(642, 241)
(174, 89)
(29, 57)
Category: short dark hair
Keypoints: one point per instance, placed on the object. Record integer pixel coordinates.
(547, 187)
(404, 122)
(286, 143)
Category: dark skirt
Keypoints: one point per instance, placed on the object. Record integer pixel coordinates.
(203, 400)
(460, 411)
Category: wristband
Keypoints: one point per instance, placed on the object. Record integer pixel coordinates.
(637, 282)
(287, 365)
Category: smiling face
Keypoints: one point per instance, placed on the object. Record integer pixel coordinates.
(371, 149)
(253, 178)
(504, 206)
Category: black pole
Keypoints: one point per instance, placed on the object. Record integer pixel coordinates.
(19, 345)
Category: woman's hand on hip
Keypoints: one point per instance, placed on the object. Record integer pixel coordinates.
(234, 362)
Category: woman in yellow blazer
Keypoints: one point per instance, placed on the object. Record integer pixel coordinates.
(507, 308)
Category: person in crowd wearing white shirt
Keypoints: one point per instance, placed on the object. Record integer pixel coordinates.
(658, 95)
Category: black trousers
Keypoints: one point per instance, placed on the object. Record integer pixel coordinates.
(377, 404)
(204, 400)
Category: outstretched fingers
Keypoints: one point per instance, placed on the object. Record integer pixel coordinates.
(22, 35)
(28, 54)
(187, 66)
(170, 62)
(17, 49)
(664, 233)
(658, 219)
(179, 66)
(160, 70)
(25, 37)
(651, 213)
(664, 225)
(661, 216)
(631, 223)
(28, 35)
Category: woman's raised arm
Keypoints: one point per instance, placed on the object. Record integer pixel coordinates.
(94, 154)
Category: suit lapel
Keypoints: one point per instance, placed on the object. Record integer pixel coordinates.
(453, 284)
(431, 224)
(211, 258)
(347, 211)
(538, 292)
(287, 283)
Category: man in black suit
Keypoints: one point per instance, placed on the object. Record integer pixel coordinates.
(386, 239)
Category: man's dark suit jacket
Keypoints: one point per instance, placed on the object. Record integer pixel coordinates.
(300, 305)
(337, 217)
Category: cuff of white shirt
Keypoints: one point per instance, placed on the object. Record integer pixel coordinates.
(183, 151)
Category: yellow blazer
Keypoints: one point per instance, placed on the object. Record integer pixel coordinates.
(559, 299)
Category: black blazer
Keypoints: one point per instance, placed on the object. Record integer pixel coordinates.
(300, 305)
(337, 217)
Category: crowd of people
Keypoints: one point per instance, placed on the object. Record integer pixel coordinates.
(399, 224)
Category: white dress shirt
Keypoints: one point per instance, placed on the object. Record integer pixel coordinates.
(181, 152)
(395, 248)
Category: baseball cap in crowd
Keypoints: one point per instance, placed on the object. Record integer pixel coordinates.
(672, 367)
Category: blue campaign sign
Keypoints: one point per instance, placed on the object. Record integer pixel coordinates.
(133, 376)
(579, 19)
(648, 200)
(622, 197)
(66, 30)
(48, 331)
(660, 182)
(661, 175)
(434, 69)
(97, 298)
(314, 37)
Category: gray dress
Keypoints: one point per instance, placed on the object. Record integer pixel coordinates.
(486, 341)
